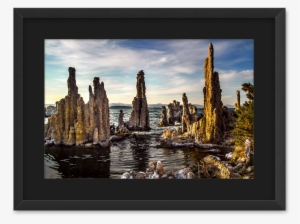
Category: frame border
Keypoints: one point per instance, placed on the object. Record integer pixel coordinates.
(280, 131)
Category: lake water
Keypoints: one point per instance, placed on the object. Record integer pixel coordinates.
(122, 156)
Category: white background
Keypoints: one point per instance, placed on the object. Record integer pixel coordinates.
(7, 215)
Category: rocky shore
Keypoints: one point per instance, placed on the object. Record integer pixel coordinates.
(209, 167)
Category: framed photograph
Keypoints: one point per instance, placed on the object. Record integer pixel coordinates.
(149, 109)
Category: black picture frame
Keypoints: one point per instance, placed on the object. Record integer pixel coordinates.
(23, 203)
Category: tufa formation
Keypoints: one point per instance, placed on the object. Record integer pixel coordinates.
(189, 114)
(217, 118)
(212, 122)
(238, 100)
(163, 118)
(174, 112)
(121, 119)
(139, 117)
(77, 122)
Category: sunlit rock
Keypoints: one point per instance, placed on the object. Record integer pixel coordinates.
(76, 122)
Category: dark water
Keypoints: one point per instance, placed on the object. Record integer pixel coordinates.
(122, 156)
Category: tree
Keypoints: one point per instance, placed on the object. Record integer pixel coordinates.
(249, 89)
(244, 127)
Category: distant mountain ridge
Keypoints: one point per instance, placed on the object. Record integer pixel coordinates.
(156, 105)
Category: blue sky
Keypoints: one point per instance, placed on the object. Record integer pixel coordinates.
(171, 68)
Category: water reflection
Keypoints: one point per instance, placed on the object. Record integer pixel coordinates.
(77, 162)
(129, 154)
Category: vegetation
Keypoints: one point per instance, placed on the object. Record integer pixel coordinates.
(244, 127)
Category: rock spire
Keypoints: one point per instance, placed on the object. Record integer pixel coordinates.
(163, 118)
(212, 122)
(238, 100)
(121, 119)
(77, 122)
(139, 117)
(185, 120)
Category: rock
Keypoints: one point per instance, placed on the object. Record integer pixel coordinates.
(163, 118)
(249, 169)
(228, 155)
(189, 114)
(238, 100)
(123, 130)
(125, 176)
(205, 146)
(95, 138)
(192, 109)
(121, 119)
(151, 166)
(228, 119)
(112, 129)
(179, 130)
(216, 119)
(194, 117)
(185, 144)
(104, 143)
(190, 175)
(237, 168)
(174, 112)
(115, 138)
(159, 169)
(76, 122)
(140, 175)
(248, 148)
(156, 171)
(72, 137)
(212, 150)
(79, 123)
(185, 173)
(154, 176)
(88, 145)
(139, 117)
(49, 142)
(185, 120)
(215, 168)
(235, 175)
(46, 127)
(167, 134)
(50, 110)
(165, 176)
(212, 123)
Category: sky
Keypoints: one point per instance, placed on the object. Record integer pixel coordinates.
(171, 67)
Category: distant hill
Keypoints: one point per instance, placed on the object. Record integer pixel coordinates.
(198, 105)
(229, 106)
(120, 104)
(119, 107)
(156, 105)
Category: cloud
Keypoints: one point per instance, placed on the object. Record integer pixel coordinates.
(171, 66)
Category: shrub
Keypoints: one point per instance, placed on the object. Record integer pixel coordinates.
(244, 126)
